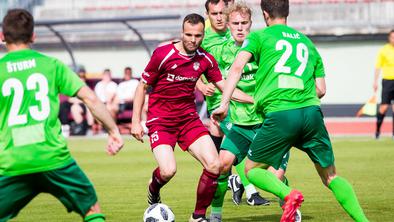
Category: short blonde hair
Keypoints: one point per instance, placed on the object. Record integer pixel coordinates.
(240, 7)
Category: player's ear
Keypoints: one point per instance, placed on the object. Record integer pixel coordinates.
(266, 15)
(2, 37)
(33, 37)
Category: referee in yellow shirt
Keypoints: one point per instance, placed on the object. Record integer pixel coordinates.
(385, 64)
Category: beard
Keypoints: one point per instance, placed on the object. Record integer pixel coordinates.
(188, 51)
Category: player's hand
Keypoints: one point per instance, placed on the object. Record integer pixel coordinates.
(219, 114)
(206, 89)
(137, 131)
(375, 86)
(209, 89)
(115, 143)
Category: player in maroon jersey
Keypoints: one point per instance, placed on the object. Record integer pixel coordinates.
(171, 77)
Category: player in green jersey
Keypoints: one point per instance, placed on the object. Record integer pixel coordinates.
(289, 83)
(215, 37)
(243, 121)
(34, 157)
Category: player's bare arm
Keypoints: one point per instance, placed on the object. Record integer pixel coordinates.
(137, 131)
(205, 89)
(320, 87)
(97, 108)
(232, 79)
(237, 95)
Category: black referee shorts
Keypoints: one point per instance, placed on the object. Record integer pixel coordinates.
(387, 91)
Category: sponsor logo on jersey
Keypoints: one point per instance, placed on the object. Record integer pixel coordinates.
(170, 77)
(196, 66)
(247, 76)
(173, 77)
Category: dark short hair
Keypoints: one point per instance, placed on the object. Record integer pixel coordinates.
(214, 2)
(107, 70)
(391, 31)
(275, 8)
(18, 26)
(127, 68)
(193, 19)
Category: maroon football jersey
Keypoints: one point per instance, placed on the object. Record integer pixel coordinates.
(173, 76)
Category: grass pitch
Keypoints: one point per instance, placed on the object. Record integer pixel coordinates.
(121, 184)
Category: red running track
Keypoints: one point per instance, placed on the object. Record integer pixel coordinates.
(357, 126)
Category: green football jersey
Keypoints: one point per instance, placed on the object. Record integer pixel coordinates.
(213, 44)
(240, 113)
(30, 132)
(288, 64)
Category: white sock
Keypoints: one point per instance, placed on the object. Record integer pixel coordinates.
(249, 190)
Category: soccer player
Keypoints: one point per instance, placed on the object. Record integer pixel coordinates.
(215, 37)
(289, 83)
(243, 121)
(171, 76)
(385, 62)
(34, 157)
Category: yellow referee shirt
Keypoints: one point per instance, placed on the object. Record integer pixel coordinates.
(385, 61)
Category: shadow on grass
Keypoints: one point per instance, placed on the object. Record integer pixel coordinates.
(255, 218)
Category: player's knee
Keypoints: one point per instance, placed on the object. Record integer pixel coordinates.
(225, 167)
(213, 166)
(168, 172)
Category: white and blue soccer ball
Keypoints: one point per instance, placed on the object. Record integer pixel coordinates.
(159, 213)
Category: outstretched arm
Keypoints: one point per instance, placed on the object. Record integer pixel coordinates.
(232, 79)
(97, 108)
(237, 95)
(137, 131)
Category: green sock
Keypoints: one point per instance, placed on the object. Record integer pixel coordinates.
(217, 202)
(241, 173)
(346, 197)
(94, 218)
(267, 181)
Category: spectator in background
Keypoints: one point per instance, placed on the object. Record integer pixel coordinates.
(81, 117)
(106, 92)
(126, 90)
(385, 63)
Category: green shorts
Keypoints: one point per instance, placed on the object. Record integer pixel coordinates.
(239, 139)
(68, 184)
(302, 128)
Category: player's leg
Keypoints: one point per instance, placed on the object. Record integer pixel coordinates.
(392, 109)
(162, 141)
(273, 140)
(226, 160)
(343, 192)
(243, 137)
(165, 158)
(316, 143)
(15, 193)
(216, 134)
(204, 151)
(385, 101)
(72, 187)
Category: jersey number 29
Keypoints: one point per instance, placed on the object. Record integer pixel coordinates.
(36, 82)
(301, 53)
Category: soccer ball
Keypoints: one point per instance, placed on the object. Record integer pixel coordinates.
(159, 213)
